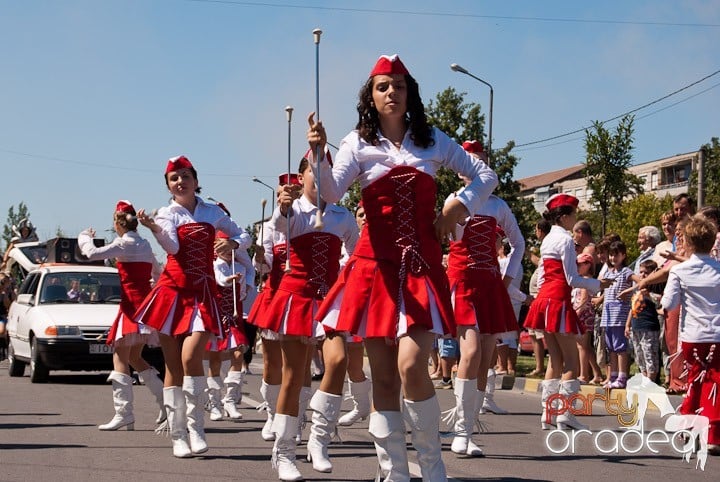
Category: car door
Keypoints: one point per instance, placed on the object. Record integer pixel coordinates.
(19, 315)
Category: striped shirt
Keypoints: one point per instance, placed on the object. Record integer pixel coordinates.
(615, 311)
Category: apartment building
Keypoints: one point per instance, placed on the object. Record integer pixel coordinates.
(668, 175)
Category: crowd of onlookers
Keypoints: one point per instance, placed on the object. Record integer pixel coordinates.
(627, 321)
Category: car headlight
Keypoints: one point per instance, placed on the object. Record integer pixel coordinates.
(62, 330)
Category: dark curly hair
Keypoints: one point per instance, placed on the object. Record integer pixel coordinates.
(368, 123)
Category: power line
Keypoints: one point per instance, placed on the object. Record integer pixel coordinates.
(460, 15)
(638, 118)
(582, 129)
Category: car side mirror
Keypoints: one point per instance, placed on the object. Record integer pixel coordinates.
(26, 299)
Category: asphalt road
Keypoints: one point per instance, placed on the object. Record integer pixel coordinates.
(48, 432)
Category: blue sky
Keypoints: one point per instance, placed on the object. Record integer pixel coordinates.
(96, 95)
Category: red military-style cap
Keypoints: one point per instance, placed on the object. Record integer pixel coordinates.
(561, 199)
(389, 65)
(177, 163)
(473, 147)
(328, 156)
(125, 207)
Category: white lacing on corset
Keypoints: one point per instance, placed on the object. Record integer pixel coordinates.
(479, 257)
(318, 271)
(406, 235)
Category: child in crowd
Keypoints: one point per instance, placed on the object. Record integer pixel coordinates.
(615, 313)
(644, 324)
(694, 286)
(582, 305)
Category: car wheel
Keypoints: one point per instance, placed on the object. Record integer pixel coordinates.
(16, 368)
(38, 371)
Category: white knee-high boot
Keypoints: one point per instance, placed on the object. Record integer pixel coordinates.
(233, 396)
(193, 389)
(549, 388)
(283, 458)
(388, 431)
(567, 420)
(175, 407)
(305, 396)
(466, 405)
(270, 394)
(489, 404)
(424, 420)
(360, 394)
(214, 390)
(326, 410)
(123, 402)
(150, 379)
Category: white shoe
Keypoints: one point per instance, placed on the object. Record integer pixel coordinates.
(388, 431)
(270, 394)
(214, 386)
(233, 395)
(466, 402)
(176, 408)
(424, 420)
(193, 389)
(283, 458)
(123, 402)
(360, 395)
(326, 409)
(150, 379)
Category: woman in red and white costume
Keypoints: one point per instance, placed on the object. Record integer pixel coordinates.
(231, 276)
(482, 305)
(342, 353)
(137, 267)
(394, 292)
(182, 305)
(552, 311)
(314, 266)
(269, 259)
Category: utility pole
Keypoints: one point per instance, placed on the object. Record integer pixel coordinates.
(701, 178)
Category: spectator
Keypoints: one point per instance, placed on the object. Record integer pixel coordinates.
(449, 353)
(648, 238)
(694, 285)
(683, 205)
(667, 220)
(7, 295)
(586, 314)
(713, 214)
(582, 236)
(643, 325)
(614, 316)
(73, 293)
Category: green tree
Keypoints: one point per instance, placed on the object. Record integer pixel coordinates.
(627, 218)
(13, 218)
(711, 161)
(460, 121)
(608, 157)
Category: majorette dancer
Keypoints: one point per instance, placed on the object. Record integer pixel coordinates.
(552, 311)
(359, 385)
(315, 263)
(137, 267)
(269, 261)
(182, 305)
(340, 350)
(393, 291)
(482, 305)
(234, 273)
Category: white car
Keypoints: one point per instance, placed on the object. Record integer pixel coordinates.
(61, 319)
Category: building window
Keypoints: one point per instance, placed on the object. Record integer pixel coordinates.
(676, 174)
(654, 180)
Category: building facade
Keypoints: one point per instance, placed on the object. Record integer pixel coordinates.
(669, 175)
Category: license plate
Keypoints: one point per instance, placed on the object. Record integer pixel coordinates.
(100, 349)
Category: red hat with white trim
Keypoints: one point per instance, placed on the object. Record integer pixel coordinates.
(125, 207)
(389, 65)
(561, 199)
(328, 156)
(177, 163)
(473, 147)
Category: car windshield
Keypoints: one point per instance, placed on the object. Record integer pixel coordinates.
(35, 254)
(80, 287)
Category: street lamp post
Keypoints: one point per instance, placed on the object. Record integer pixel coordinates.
(255, 179)
(458, 68)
